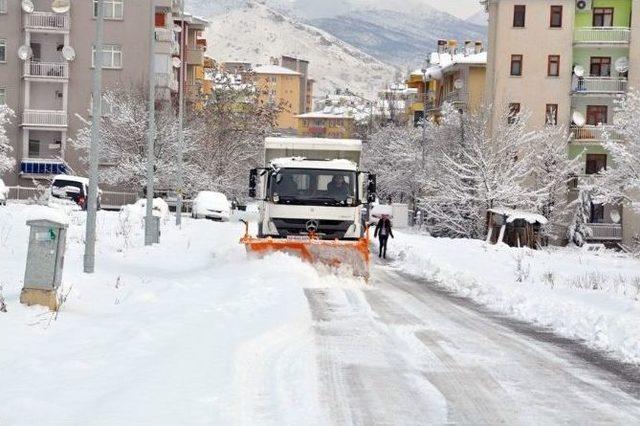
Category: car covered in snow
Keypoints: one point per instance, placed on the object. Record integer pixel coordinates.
(72, 188)
(4, 193)
(211, 205)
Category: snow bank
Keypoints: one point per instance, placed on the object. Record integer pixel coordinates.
(594, 297)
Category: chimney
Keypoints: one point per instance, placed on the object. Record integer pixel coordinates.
(479, 47)
(468, 47)
(452, 45)
(442, 46)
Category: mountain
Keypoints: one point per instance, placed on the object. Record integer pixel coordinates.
(399, 37)
(478, 18)
(255, 33)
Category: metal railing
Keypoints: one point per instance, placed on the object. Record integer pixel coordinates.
(46, 21)
(24, 193)
(46, 69)
(164, 35)
(3, 6)
(111, 200)
(195, 56)
(605, 231)
(44, 118)
(602, 35)
(457, 97)
(593, 133)
(600, 85)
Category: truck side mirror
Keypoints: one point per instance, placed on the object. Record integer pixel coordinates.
(253, 182)
(372, 188)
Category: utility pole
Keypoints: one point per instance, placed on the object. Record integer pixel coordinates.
(150, 236)
(425, 98)
(92, 206)
(183, 38)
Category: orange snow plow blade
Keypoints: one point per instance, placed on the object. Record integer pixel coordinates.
(334, 253)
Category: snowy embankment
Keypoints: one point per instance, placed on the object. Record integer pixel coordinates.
(173, 334)
(587, 296)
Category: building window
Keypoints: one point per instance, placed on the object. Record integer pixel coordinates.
(516, 65)
(34, 148)
(112, 56)
(3, 96)
(597, 114)
(603, 17)
(519, 12)
(113, 9)
(595, 163)
(3, 7)
(553, 66)
(514, 111)
(3, 50)
(600, 67)
(597, 213)
(161, 20)
(551, 114)
(556, 17)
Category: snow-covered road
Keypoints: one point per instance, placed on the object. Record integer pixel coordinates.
(401, 351)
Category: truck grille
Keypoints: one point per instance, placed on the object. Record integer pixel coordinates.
(327, 229)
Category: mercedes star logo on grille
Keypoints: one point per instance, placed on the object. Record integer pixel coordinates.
(312, 225)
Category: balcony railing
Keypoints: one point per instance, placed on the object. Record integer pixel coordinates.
(588, 85)
(605, 231)
(46, 21)
(457, 97)
(42, 166)
(602, 35)
(3, 6)
(593, 133)
(44, 118)
(195, 56)
(56, 70)
(164, 35)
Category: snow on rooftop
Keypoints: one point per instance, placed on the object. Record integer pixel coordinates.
(273, 69)
(444, 61)
(314, 144)
(303, 163)
(513, 215)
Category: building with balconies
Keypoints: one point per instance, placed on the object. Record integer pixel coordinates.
(50, 85)
(565, 63)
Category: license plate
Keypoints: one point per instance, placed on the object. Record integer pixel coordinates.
(298, 237)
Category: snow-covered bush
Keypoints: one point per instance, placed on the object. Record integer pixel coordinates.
(579, 232)
(6, 159)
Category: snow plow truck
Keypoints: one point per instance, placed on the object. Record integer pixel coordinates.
(313, 202)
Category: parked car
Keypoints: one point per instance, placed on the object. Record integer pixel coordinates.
(4, 193)
(73, 188)
(211, 205)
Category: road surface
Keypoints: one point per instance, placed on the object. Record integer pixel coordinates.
(401, 352)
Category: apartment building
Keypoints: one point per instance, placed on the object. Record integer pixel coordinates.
(331, 122)
(50, 85)
(191, 40)
(564, 62)
(454, 74)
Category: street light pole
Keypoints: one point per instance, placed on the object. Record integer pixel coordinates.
(424, 117)
(183, 38)
(92, 202)
(150, 236)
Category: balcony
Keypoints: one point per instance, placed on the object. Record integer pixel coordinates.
(593, 133)
(164, 35)
(602, 35)
(600, 85)
(605, 232)
(47, 22)
(457, 98)
(46, 70)
(42, 167)
(195, 57)
(44, 119)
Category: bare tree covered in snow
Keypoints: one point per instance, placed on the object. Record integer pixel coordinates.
(124, 132)
(621, 182)
(6, 159)
(578, 232)
(235, 119)
(479, 170)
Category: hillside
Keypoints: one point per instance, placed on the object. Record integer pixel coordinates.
(255, 33)
(399, 37)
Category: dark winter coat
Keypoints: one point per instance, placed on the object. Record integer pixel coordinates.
(387, 226)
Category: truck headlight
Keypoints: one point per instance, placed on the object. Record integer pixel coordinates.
(276, 198)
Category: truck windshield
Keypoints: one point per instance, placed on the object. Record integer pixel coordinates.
(313, 186)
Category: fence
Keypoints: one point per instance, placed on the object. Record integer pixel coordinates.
(605, 231)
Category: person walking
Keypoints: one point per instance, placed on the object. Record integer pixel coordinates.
(383, 232)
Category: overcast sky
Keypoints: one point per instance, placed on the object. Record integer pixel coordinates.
(460, 8)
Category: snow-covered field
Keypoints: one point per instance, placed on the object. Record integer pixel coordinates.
(582, 295)
(162, 335)
(192, 332)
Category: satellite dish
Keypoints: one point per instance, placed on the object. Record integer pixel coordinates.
(458, 84)
(60, 6)
(622, 65)
(177, 29)
(25, 52)
(68, 53)
(579, 70)
(176, 62)
(27, 6)
(578, 119)
(615, 216)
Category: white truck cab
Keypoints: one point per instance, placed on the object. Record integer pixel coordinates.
(312, 186)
